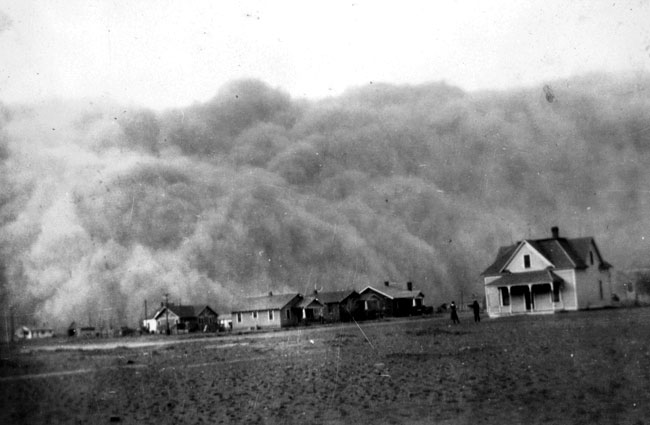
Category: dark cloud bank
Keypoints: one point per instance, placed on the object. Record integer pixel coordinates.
(103, 207)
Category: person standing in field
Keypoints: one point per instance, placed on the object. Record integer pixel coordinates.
(477, 311)
(454, 314)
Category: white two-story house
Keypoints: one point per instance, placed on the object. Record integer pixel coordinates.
(547, 275)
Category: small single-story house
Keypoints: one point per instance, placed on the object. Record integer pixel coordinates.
(270, 311)
(391, 300)
(547, 275)
(310, 309)
(338, 306)
(178, 318)
(207, 319)
(25, 332)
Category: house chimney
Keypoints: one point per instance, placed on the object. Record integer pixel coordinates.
(409, 286)
(556, 232)
(386, 283)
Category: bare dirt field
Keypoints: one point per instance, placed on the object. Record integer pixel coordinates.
(570, 368)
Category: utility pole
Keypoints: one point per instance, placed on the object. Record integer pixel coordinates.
(167, 311)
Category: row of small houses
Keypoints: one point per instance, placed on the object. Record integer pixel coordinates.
(274, 311)
(532, 276)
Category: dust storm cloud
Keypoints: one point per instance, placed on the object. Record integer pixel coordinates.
(104, 207)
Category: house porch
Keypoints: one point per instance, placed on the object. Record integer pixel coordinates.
(532, 298)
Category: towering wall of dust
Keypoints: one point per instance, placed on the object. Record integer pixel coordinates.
(103, 207)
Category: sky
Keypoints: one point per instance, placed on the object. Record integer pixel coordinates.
(163, 54)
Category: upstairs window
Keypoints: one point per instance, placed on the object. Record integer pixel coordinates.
(526, 261)
(591, 257)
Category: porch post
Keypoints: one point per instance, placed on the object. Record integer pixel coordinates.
(530, 294)
(551, 294)
(509, 299)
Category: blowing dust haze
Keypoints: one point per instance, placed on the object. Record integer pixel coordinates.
(103, 207)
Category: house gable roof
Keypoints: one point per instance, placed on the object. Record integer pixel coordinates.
(503, 255)
(533, 245)
(309, 302)
(393, 293)
(563, 253)
(182, 311)
(205, 310)
(335, 296)
(267, 302)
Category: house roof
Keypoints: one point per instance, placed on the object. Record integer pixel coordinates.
(309, 302)
(525, 278)
(335, 296)
(181, 311)
(393, 292)
(200, 309)
(155, 313)
(563, 253)
(267, 302)
(503, 256)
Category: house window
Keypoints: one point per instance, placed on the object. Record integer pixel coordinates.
(254, 315)
(526, 261)
(238, 317)
(288, 314)
(271, 315)
(600, 288)
(505, 296)
(591, 257)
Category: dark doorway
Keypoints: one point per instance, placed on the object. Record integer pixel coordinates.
(517, 292)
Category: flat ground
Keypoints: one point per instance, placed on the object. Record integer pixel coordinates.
(571, 368)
